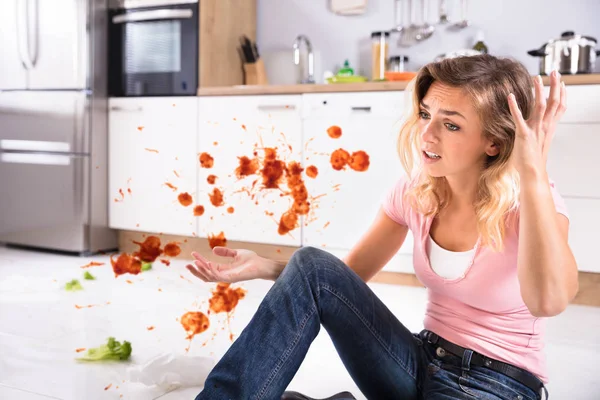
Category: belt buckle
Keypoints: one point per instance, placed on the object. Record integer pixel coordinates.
(432, 337)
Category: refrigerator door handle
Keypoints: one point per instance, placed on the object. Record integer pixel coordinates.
(22, 45)
(36, 32)
(150, 15)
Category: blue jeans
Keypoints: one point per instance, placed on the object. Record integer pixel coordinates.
(383, 357)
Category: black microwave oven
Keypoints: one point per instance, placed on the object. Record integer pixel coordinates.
(153, 48)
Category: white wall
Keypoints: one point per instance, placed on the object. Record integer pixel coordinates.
(511, 27)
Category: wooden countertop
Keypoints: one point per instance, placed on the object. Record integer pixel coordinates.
(584, 79)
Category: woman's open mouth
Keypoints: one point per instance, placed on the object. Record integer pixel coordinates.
(430, 157)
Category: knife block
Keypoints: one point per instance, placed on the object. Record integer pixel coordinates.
(255, 73)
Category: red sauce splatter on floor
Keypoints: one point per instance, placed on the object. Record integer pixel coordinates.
(172, 249)
(359, 161)
(339, 159)
(128, 281)
(185, 199)
(150, 328)
(215, 143)
(92, 264)
(216, 197)
(206, 160)
(166, 262)
(149, 250)
(312, 171)
(171, 186)
(140, 128)
(334, 132)
(176, 174)
(224, 298)
(159, 289)
(246, 167)
(79, 350)
(198, 211)
(108, 387)
(126, 264)
(326, 225)
(230, 210)
(151, 150)
(218, 240)
(211, 179)
(194, 323)
(244, 127)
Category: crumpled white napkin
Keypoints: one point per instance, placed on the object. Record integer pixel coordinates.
(168, 369)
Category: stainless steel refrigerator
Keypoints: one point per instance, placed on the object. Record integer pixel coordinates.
(53, 125)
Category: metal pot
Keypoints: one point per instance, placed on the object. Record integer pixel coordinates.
(571, 54)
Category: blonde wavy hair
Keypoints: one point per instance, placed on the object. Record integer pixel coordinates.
(488, 81)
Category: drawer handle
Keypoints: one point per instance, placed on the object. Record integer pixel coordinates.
(277, 107)
(117, 108)
(362, 109)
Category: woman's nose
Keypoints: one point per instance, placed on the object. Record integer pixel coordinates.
(428, 133)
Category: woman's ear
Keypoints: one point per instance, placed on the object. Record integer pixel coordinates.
(492, 150)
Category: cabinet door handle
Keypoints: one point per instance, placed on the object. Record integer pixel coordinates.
(118, 108)
(363, 109)
(276, 107)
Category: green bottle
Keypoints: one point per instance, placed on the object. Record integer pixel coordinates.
(479, 44)
(346, 70)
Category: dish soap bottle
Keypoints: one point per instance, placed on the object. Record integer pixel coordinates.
(346, 70)
(479, 44)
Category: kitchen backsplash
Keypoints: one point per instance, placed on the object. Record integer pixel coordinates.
(511, 28)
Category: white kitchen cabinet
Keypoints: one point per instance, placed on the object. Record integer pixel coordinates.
(583, 103)
(231, 127)
(152, 160)
(573, 160)
(584, 219)
(347, 200)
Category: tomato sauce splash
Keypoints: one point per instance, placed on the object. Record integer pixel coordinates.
(92, 264)
(172, 249)
(216, 197)
(211, 179)
(247, 166)
(334, 132)
(359, 161)
(194, 323)
(185, 199)
(198, 211)
(312, 171)
(150, 249)
(170, 185)
(217, 240)
(339, 159)
(126, 264)
(206, 160)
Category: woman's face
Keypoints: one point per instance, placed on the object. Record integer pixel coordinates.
(451, 133)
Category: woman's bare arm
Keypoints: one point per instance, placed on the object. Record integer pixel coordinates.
(376, 247)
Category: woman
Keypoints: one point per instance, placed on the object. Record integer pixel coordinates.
(491, 247)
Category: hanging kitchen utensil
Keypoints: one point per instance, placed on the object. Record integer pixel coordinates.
(443, 10)
(570, 54)
(426, 29)
(463, 14)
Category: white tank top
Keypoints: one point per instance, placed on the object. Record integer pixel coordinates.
(448, 264)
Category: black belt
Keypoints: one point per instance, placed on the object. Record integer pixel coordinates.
(479, 360)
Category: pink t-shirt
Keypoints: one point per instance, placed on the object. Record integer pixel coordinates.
(483, 310)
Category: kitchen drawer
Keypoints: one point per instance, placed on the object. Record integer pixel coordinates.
(583, 104)
(584, 217)
(376, 104)
(573, 162)
(241, 107)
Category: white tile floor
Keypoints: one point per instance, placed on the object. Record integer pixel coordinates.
(40, 328)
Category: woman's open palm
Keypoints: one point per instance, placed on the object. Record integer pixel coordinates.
(243, 265)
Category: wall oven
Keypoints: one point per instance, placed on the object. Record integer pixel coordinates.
(153, 47)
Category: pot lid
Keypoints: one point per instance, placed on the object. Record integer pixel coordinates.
(570, 35)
